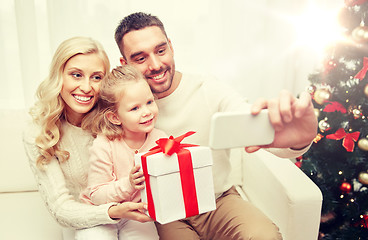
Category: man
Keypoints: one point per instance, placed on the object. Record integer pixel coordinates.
(187, 103)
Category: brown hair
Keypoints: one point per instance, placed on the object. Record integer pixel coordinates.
(135, 21)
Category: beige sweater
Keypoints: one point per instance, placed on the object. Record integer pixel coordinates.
(190, 108)
(61, 183)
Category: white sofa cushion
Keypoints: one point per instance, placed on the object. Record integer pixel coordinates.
(15, 173)
(24, 216)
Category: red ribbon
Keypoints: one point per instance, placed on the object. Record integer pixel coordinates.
(334, 107)
(349, 138)
(361, 74)
(170, 146)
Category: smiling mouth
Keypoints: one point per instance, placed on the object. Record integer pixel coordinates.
(83, 99)
(158, 77)
(147, 122)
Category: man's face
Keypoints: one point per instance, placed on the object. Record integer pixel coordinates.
(149, 51)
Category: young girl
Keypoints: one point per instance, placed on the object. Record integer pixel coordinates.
(125, 126)
(56, 144)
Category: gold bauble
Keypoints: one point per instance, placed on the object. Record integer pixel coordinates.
(363, 144)
(321, 95)
(363, 178)
(366, 90)
(317, 112)
(360, 34)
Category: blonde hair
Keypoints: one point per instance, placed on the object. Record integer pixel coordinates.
(49, 110)
(111, 91)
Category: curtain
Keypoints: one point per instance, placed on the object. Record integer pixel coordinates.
(249, 44)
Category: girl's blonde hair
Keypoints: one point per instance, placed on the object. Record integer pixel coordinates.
(111, 91)
(49, 110)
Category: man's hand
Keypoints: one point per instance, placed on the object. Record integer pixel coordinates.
(293, 119)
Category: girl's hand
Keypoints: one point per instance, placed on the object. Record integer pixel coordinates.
(130, 210)
(136, 178)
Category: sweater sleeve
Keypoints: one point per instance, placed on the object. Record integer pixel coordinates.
(288, 152)
(103, 184)
(50, 180)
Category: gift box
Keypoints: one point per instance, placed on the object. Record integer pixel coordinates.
(178, 180)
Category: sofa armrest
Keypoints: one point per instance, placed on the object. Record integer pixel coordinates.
(24, 216)
(284, 193)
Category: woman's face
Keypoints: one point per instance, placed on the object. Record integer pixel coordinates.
(82, 77)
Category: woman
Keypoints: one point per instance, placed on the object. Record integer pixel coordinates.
(57, 142)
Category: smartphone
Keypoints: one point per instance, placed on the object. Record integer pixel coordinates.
(240, 129)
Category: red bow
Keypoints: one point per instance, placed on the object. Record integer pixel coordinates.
(349, 138)
(169, 146)
(361, 74)
(334, 106)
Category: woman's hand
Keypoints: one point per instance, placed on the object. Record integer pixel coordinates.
(130, 210)
(136, 178)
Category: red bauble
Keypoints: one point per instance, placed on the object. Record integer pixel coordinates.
(364, 221)
(329, 65)
(354, 2)
(345, 187)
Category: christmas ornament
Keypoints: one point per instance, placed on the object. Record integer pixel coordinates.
(334, 107)
(318, 138)
(345, 187)
(351, 3)
(360, 34)
(348, 138)
(363, 178)
(321, 95)
(364, 221)
(356, 111)
(357, 186)
(324, 125)
(361, 74)
(329, 65)
(363, 144)
(311, 89)
(317, 112)
(366, 90)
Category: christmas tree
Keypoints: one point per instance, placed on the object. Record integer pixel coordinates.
(338, 159)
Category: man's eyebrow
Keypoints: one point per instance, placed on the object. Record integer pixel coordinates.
(140, 52)
(135, 54)
(161, 45)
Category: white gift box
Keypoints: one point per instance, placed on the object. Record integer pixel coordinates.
(166, 184)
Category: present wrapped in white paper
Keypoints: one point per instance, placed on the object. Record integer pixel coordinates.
(180, 185)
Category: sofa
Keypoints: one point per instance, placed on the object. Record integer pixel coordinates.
(279, 188)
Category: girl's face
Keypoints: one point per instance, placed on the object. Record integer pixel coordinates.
(82, 76)
(137, 109)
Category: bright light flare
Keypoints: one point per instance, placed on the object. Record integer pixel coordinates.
(317, 27)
